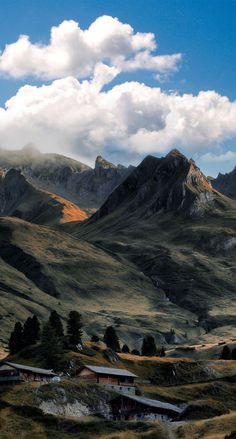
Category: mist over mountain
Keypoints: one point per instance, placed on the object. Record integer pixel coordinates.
(67, 177)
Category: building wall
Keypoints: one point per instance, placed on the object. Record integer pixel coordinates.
(27, 376)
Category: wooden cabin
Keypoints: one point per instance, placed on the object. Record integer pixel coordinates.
(113, 378)
(28, 373)
(135, 407)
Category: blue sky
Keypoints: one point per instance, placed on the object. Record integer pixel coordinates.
(203, 31)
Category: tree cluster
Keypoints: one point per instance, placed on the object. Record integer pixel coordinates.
(227, 354)
(149, 347)
(24, 335)
(52, 337)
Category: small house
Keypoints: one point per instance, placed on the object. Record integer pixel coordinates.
(29, 373)
(9, 375)
(121, 380)
(135, 407)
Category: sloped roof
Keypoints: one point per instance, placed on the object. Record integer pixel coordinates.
(5, 367)
(152, 403)
(31, 369)
(110, 371)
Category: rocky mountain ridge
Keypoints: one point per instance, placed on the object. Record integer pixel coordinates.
(226, 183)
(169, 184)
(65, 177)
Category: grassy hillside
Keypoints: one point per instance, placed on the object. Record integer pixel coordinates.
(209, 404)
(43, 269)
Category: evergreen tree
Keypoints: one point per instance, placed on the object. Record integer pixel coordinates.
(225, 353)
(55, 322)
(111, 339)
(125, 349)
(162, 352)
(51, 347)
(135, 352)
(95, 338)
(233, 354)
(74, 328)
(149, 346)
(31, 331)
(16, 339)
(35, 327)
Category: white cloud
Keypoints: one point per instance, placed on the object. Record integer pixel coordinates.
(211, 157)
(76, 52)
(131, 119)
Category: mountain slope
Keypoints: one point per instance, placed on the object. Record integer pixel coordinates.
(21, 199)
(226, 183)
(43, 269)
(66, 177)
(168, 220)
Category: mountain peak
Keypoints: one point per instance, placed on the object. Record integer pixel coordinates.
(169, 184)
(175, 153)
(103, 163)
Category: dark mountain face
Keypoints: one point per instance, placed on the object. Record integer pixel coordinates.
(181, 233)
(66, 177)
(171, 184)
(226, 183)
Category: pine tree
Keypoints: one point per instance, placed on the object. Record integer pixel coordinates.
(95, 338)
(74, 328)
(35, 328)
(149, 346)
(111, 339)
(30, 331)
(233, 354)
(162, 352)
(16, 339)
(55, 322)
(225, 353)
(51, 347)
(125, 349)
(135, 352)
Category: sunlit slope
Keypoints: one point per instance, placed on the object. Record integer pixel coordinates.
(21, 199)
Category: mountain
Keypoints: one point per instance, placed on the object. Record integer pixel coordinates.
(226, 183)
(179, 231)
(163, 244)
(21, 199)
(171, 184)
(68, 178)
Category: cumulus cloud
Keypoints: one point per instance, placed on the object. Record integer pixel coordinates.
(75, 114)
(131, 118)
(73, 51)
